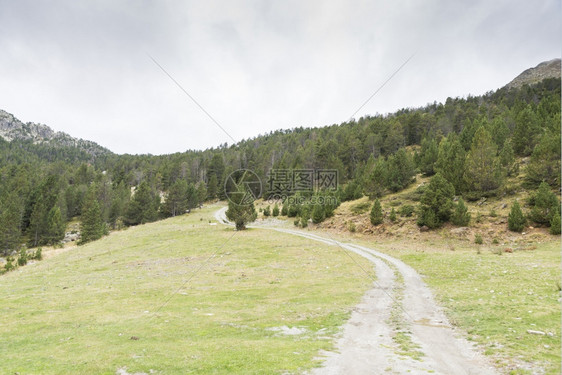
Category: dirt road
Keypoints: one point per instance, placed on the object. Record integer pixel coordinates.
(399, 305)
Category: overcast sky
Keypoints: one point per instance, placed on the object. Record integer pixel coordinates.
(83, 67)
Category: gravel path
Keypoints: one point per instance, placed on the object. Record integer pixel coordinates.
(366, 345)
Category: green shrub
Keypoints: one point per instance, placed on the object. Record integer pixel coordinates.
(22, 257)
(267, 211)
(545, 205)
(392, 216)
(493, 213)
(351, 226)
(9, 266)
(461, 216)
(275, 211)
(284, 210)
(516, 221)
(318, 214)
(376, 213)
(478, 239)
(407, 210)
(293, 210)
(38, 255)
(437, 198)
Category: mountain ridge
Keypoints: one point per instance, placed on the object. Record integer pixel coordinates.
(544, 70)
(11, 128)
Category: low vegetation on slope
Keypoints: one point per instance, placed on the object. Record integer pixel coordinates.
(146, 299)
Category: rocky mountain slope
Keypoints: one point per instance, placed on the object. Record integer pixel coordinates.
(546, 69)
(13, 129)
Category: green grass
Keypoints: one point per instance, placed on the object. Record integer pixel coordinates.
(77, 312)
(496, 299)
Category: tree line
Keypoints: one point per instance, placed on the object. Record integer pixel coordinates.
(472, 144)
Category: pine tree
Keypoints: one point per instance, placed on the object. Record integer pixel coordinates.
(376, 181)
(55, 226)
(318, 213)
(400, 170)
(436, 203)
(516, 221)
(201, 192)
(267, 211)
(483, 171)
(545, 160)
(285, 209)
(240, 214)
(461, 216)
(527, 128)
(11, 211)
(143, 207)
(376, 216)
(545, 205)
(212, 187)
(275, 212)
(176, 200)
(428, 156)
(499, 131)
(507, 158)
(91, 224)
(450, 162)
(392, 216)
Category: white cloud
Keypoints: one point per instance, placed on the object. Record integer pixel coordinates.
(255, 66)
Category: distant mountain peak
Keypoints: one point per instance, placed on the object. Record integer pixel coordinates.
(12, 129)
(546, 69)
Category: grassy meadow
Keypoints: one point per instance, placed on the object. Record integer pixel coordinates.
(150, 299)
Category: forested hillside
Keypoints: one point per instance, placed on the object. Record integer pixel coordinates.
(471, 144)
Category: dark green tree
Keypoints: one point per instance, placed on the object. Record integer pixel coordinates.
(400, 170)
(176, 200)
(527, 129)
(545, 160)
(428, 156)
(212, 187)
(91, 223)
(11, 211)
(545, 205)
(436, 203)
(450, 162)
(507, 158)
(516, 220)
(392, 215)
(460, 216)
(376, 215)
(483, 170)
(318, 214)
(376, 181)
(143, 207)
(267, 211)
(240, 213)
(55, 226)
(275, 211)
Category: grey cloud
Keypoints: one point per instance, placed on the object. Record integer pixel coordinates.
(256, 66)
